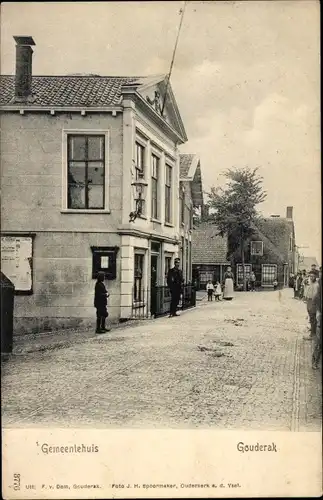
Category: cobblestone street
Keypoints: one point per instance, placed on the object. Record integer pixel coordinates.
(233, 365)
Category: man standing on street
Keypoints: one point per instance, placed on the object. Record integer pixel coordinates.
(100, 303)
(310, 294)
(317, 348)
(315, 271)
(175, 284)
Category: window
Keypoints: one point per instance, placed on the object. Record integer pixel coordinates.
(247, 268)
(187, 216)
(269, 274)
(190, 224)
(187, 273)
(256, 248)
(290, 243)
(181, 205)
(206, 276)
(182, 253)
(140, 158)
(86, 172)
(138, 292)
(154, 187)
(104, 259)
(168, 194)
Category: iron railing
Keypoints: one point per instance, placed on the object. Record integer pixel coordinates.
(155, 301)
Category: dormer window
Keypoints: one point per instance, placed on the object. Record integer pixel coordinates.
(257, 248)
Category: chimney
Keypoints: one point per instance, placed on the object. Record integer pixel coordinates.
(289, 213)
(24, 54)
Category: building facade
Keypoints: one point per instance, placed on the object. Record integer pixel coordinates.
(270, 253)
(209, 255)
(71, 148)
(190, 198)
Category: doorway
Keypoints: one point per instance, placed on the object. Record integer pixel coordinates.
(153, 282)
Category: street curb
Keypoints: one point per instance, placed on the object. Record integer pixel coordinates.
(55, 341)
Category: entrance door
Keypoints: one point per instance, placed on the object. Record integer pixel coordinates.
(153, 283)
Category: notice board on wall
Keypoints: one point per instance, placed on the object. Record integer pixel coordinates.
(16, 261)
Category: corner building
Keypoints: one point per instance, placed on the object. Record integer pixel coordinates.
(71, 147)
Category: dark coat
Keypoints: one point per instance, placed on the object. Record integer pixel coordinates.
(175, 279)
(318, 297)
(100, 295)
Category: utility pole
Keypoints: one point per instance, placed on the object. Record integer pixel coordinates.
(181, 12)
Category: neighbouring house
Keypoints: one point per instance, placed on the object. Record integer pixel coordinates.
(270, 253)
(190, 197)
(71, 149)
(209, 254)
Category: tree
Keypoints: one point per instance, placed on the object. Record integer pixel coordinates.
(234, 208)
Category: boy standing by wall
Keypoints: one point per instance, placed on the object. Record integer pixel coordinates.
(210, 290)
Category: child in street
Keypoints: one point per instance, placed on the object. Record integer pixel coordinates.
(100, 303)
(275, 283)
(217, 291)
(210, 290)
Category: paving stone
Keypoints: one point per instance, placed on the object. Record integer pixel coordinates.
(154, 374)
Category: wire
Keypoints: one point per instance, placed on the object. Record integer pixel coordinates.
(173, 58)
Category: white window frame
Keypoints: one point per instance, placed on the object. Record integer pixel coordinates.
(143, 254)
(144, 144)
(158, 154)
(248, 266)
(171, 218)
(262, 248)
(65, 134)
(181, 210)
(262, 273)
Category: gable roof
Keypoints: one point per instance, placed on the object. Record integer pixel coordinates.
(207, 246)
(190, 170)
(275, 232)
(76, 90)
(185, 162)
(91, 91)
(168, 101)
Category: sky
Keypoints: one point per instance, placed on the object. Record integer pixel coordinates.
(245, 78)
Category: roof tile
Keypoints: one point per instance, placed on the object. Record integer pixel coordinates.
(78, 90)
(207, 246)
(185, 163)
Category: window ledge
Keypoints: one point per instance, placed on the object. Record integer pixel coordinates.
(169, 224)
(84, 211)
(156, 220)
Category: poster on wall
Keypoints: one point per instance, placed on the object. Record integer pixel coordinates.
(16, 261)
